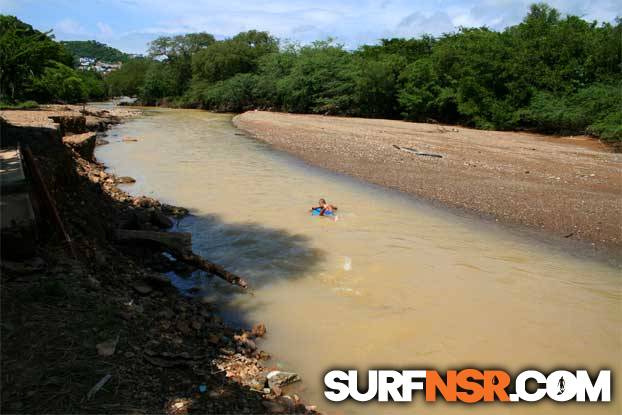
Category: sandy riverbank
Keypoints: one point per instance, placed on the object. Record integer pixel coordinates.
(570, 186)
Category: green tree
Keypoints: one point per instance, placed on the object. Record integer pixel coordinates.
(182, 45)
(94, 83)
(24, 55)
(423, 96)
(320, 80)
(234, 94)
(594, 109)
(129, 79)
(159, 83)
(240, 54)
(377, 83)
(176, 52)
(273, 67)
(59, 82)
(409, 49)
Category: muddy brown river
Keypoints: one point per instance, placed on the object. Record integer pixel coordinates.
(394, 283)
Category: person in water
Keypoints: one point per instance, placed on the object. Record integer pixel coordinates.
(325, 208)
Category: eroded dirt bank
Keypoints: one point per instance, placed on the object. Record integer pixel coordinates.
(101, 329)
(571, 186)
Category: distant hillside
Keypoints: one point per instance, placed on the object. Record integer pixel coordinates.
(94, 49)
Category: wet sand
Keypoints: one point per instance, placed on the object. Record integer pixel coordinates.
(570, 186)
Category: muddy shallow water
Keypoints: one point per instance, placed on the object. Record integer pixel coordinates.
(393, 283)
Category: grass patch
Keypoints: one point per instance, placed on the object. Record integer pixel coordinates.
(25, 105)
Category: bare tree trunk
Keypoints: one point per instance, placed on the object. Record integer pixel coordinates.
(179, 245)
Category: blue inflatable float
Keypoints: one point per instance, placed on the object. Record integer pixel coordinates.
(316, 212)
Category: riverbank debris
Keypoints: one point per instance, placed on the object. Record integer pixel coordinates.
(108, 347)
(179, 406)
(125, 180)
(193, 259)
(174, 211)
(417, 152)
(142, 289)
(258, 330)
(179, 244)
(277, 379)
(98, 386)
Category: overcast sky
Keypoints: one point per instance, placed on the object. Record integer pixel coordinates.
(130, 24)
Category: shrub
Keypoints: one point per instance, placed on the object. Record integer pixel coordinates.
(592, 110)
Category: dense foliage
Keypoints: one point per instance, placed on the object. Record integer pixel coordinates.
(129, 79)
(35, 67)
(548, 73)
(94, 49)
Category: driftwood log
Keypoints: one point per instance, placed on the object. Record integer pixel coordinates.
(417, 152)
(179, 245)
(198, 261)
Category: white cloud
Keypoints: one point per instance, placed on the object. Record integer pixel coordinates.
(352, 22)
(104, 29)
(70, 27)
(417, 23)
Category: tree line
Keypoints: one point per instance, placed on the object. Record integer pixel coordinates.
(549, 73)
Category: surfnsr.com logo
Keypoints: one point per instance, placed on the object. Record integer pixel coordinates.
(468, 386)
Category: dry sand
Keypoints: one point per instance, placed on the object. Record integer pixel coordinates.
(570, 186)
(40, 117)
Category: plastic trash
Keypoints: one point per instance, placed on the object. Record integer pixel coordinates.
(347, 263)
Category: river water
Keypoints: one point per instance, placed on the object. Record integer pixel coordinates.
(394, 283)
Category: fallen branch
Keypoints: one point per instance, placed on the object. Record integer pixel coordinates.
(195, 260)
(417, 152)
(179, 244)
